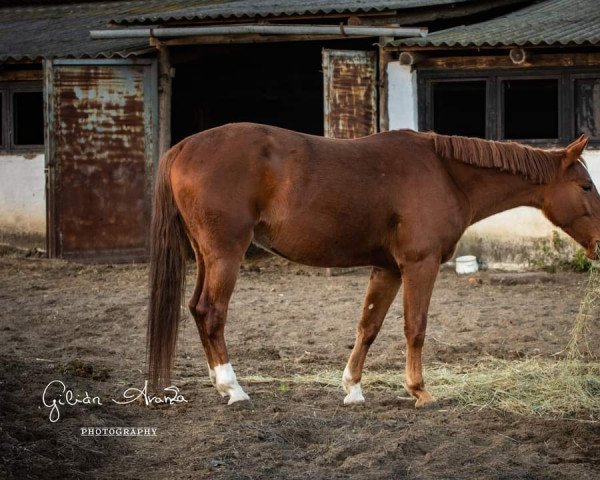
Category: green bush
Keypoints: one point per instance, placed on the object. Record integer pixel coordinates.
(558, 253)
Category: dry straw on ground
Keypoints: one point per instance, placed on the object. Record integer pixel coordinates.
(589, 310)
(564, 387)
(534, 386)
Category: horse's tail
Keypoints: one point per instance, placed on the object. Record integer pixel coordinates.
(167, 275)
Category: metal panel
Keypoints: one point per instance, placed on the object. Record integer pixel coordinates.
(350, 83)
(193, 10)
(100, 156)
(551, 22)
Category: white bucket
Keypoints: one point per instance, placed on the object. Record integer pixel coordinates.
(466, 264)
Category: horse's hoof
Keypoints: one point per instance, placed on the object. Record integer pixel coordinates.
(238, 395)
(354, 397)
(423, 399)
(240, 405)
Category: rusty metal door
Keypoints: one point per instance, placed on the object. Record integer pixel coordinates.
(100, 155)
(350, 83)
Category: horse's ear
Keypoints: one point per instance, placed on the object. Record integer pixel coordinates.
(574, 151)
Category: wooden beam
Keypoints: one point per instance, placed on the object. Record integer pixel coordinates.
(164, 100)
(504, 61)
(21, 75)
(385, 58)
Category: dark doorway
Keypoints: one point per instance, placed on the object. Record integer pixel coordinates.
(275, 84)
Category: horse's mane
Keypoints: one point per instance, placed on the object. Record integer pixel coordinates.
(536, 164)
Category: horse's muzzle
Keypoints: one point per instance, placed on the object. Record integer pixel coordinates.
(593, 253)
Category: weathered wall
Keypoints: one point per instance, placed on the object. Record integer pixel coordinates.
(402, 97)
(502, 232)
(510, 236)
(22, 200)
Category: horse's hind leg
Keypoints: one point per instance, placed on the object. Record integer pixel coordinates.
(200, 270)
(209, 306)
(383, 287)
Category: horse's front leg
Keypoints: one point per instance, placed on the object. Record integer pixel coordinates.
(419, 278)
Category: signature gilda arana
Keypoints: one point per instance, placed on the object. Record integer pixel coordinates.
(57, 395)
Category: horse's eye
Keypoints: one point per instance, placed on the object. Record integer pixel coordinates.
(587, 187)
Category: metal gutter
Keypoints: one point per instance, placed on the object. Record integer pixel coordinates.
(350, 31)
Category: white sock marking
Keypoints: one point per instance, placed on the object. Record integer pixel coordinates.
(227, 385)
(353, 390)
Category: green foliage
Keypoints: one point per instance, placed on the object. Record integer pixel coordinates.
(283, 388)
(581, 263)
(558, 253)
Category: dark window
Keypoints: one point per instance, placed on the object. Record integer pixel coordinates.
(587, 107)
(547, 107)
(21, 116)
(28, 118)
(459, 108)
(530, 109)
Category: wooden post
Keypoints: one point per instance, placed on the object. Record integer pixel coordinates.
(384, 58)
(164, 100)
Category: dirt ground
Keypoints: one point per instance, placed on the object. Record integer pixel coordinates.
(85, 325)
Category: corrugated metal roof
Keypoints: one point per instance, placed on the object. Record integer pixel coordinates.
(63, 31)
(551, 22)
(263, 8)
(38, 31)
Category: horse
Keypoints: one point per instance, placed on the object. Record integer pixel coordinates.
(397, 201)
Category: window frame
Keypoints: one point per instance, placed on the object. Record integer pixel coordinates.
(584, 74)
(495, 98)
(501, 97)
(430, 113)
(7, 90)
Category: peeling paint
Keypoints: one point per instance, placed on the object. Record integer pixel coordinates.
(350, 109)
(100, 157)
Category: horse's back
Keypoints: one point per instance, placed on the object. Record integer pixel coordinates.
(297, 191)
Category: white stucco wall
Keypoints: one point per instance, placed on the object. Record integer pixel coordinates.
(22, 196)
(525, 221)
(519, 222)
(402, 97)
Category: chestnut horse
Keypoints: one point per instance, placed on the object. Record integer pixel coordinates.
(398, 201)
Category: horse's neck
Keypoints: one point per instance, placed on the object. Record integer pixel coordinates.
(489, 191)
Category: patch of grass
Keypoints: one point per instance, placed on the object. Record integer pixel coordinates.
(283, 388)
(558, 253)
(532, 386)
(579, 262)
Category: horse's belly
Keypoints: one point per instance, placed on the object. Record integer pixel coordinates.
(318, 248)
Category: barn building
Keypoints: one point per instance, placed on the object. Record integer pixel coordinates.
(92, 93)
